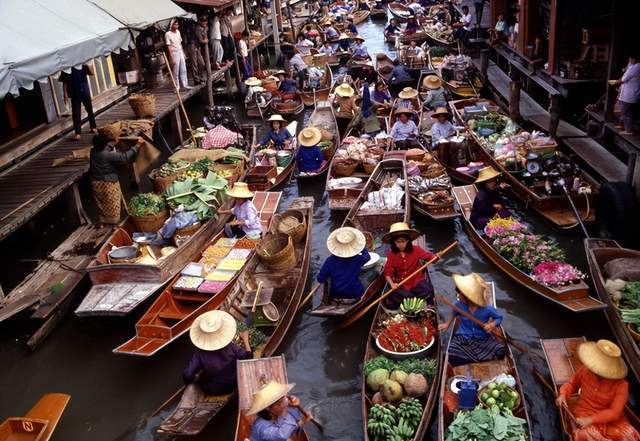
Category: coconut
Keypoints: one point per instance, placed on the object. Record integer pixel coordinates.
(377, 398)
(415, 385)
(392, 391)
(376, 379)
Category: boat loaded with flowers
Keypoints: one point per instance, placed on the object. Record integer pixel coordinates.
(531, 260)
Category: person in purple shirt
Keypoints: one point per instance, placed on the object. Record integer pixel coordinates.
(487, 203)
(342, 268)
(277, 417)
(212, 367)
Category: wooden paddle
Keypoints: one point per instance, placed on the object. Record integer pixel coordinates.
(309, 296)
(310, 417)
(361, 313)
(554, 392)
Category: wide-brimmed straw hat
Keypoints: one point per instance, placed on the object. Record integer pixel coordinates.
(400, 229)
(213, 330)
(268, 395)
(281, 72)
(472, 286)
(406, 110)
(346, 242)
(252, 81)
(407, 93)
(358, 37)
(344, 90)
(276, 117)
(343, 36)
(240, 190)
(309, 137)
(432, 82)
(603, 358)
(440, 111)
(487, 174)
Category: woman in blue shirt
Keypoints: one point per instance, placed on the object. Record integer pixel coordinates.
(342, 268)
(472, 343)
(277, 418)
(278, 135)
(309, 156)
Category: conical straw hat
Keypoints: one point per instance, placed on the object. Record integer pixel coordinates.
(240, 190)
(472, 286)
(400, 228)
(276, 117)
(252, 81)
(603, 358)
(346, 242)
(407, 93)
(213, 330)
(309, 137)
(345, 90)
(268, 395)
(441, 111)
(487, 174)
(432, 82)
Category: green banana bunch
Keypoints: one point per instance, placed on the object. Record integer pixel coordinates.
(412, 305)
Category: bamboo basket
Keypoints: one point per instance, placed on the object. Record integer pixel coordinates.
(344, 169)
(111, 131)
(368, 167)
(292, 223)
(433, 172)
(143, 104)
(150, 223)
(276, 251)
(160, 184)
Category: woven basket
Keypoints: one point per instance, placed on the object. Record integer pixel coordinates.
(160, 184)
(150, 223)
(326, 135)
(143, 104)
(415, 155)
(369, 167)
(369, 241)
(276, 251)
(344, 169)
(291, 223)
(433, 172)
(111, 131)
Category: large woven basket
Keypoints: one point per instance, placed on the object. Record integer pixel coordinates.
(143, 104)
(344, 169)
(276, 251)
(150, 223)
(292, 223)
(369, 167)
(160, 184)
(111, 131)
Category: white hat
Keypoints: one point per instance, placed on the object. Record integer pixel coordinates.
(213, 330)
(346, 242)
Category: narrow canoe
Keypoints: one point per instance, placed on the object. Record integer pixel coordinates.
(436, 213)
(599, 252)
(399, 11)
(293, 107)
(39, 423)
(562, 360)
(384, 66)
(483, 371)
(310, 97)
(172, 313)
(323, 118)
(287, 286)
(575, 297)
(360, 16)
(375, 12)
(256, 178)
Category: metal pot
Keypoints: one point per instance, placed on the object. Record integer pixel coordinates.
(126, 254)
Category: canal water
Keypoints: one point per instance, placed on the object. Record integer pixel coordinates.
(113, 395)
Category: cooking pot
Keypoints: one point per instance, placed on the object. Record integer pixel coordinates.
(126, 254)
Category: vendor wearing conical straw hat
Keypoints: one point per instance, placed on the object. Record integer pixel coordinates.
(402, 260)
(309, 156)
(358, 49)
(345, 100)
(405, 131)
(472, 343)
(277, 418)
(278, 136)
(442, 127)
(212, 334)
(408, 99)
(488, 201)
(436, 95)
(603, 394)
(247, 220)
(341, 270)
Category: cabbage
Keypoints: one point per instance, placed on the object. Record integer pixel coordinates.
(376, 379)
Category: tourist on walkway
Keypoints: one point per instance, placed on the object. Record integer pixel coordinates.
(247, 220)
(602, 392)
(309, 157)
(278, 419)
(488, 203)
(472, 343)
(479, 6)
(464, 26)
(342, 269)
(215, 37)
(76, 87)
(173, 40)
(403, 260)
(499, 31)
(227, 38)
(405, 132)
(202, 39)
(103, 172)
(629, 93)
(243, 53)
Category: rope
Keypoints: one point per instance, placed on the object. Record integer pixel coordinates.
(568, 227)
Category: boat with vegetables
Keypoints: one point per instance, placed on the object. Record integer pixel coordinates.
(324, 119)
(561, 355)
(202, 285)
(440, 34)
(499, 397)
(270, 167)
(530, 162)
(536, 263)
(616, 278)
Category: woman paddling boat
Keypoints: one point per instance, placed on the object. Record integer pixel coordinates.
(278, 135)
(442, 127)
(488, 203)
(404, 131)
(472, 343)
(247, 221)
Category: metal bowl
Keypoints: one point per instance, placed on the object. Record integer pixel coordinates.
(123, 254)
(421, 353)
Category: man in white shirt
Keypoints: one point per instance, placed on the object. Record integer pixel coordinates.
(464, 26)
(215, 37)
(629, 93)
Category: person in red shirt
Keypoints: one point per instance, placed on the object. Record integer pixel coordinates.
(403, 259)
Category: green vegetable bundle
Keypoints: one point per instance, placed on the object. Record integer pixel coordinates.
(482, 424)
(424, 366)
(631, 316)
(200, 165)
(202, 196)
(631, 294)
(438, 51)
(256, 336)
(145, 204)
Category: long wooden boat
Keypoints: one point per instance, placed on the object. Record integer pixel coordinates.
(252, 376)
(39, 423)
(418, 36)
(264, 178)
(438, 39)
(291, 107)
(310, 97)
(599, 252)
(360, 16)
(562, 360)
(575, 297)
(399, 11)
(376, 12)
(556, 209)
(287, 286)
(384, 66)
(323, 118)
(483, 371)
(172, 313)
(436, 213)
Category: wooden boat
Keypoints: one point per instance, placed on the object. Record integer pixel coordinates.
(267, 178)
(599, 252)
(376, 12)
(291, 107)
(575, 297)
(287, 286)
(556, 208)
(411, 62)
(469, 88)
(483, 371)
(434, 212)
(439, 39)
(399, 11)
(360, 16)
(39, 423)
(172, 313)
(439, 12)
(310, 97)
(384, 66)
(323, 118)
(419, 36)
(252, 376)
(562, 360)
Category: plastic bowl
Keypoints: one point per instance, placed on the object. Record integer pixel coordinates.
(421, 353)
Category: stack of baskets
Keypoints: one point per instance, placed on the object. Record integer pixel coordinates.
(277, 251)
(143, 104)
(292, 223)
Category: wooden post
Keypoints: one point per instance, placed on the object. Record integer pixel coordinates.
(275, 28)
(176, 114)
(552, 58)
(613, 68)
(207, 63)
(77, 201)
(229, 82)
(554, 114)
(484, 63)
(631, 168)
(514, 99)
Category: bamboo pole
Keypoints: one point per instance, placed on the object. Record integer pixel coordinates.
(177, 91)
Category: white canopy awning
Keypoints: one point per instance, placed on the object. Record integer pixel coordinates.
(140, 14)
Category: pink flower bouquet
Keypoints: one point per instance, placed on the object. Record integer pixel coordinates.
(555, 273)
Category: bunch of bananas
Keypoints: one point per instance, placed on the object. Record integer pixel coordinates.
(410, 410)
(403, 431)
(412, 305)
(382, 419)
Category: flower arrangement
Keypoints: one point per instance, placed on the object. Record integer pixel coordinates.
(499, 226)
(556, 273)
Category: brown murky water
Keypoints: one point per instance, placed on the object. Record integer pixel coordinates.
(112, 395)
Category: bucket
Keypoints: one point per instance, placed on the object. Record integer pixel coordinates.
(126, 254)
(276, 251)
(284, 158)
